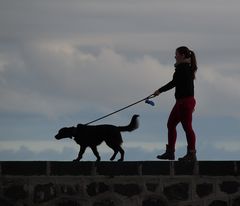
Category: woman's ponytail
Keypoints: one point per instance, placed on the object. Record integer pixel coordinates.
(193, 63)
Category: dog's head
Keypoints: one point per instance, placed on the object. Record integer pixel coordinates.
(66, 132)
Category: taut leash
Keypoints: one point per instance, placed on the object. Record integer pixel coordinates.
(146, 99)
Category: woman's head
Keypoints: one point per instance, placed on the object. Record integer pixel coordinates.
(183, 54)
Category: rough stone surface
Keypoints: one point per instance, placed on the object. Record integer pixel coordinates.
(155, 168)
(204, 189)
(128, 190)
(184, 168)
(96, 188)
(68, 202)
(152, 186)
(218, 203)
(165, 183)
(178, 191)
(236, 201)
(23, 168)
(91, 189)
(71, 168)
(219, 168)
(44, 193)
(117, 168)
(5, 202)
(105, 202)
(15, 192)
(102, 187)
(155, 201)
(229, 187)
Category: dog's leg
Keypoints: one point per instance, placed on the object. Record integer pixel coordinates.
(114, 155)
(80, 154)
(117, 149)
(120, 149)
(114, 148)
(95, 152)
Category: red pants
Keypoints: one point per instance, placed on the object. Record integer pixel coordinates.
(182, 112)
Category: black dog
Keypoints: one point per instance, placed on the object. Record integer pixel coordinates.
(92, 136)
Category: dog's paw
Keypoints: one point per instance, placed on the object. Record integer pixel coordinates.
(76, 160)
(120, 160)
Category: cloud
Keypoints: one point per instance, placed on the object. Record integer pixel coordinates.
(135, 151)
(51, 77)
(59, 78)
(26, 154)
(67, 62)
(217, 92)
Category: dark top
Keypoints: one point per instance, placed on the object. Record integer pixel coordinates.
(182, 81)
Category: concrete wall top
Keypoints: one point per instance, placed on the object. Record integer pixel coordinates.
(135, 168)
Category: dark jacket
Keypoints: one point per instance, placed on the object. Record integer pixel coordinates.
(183, 81)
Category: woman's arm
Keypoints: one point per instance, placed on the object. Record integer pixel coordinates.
(167, 86)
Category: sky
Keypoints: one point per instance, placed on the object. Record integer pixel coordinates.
(69, 62)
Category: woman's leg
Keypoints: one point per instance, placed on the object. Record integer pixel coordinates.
(187, 109)
(173, 120)
(186, 120)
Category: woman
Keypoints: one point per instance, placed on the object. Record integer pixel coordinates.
(183, 81)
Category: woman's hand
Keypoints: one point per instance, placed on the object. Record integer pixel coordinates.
(156, 93)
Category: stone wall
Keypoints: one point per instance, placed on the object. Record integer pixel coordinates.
(148, 183)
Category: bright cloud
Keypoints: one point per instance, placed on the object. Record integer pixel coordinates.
(62, 73)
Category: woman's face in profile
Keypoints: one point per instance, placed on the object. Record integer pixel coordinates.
(179, 57)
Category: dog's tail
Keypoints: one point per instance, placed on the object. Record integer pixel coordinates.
(132, 126)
